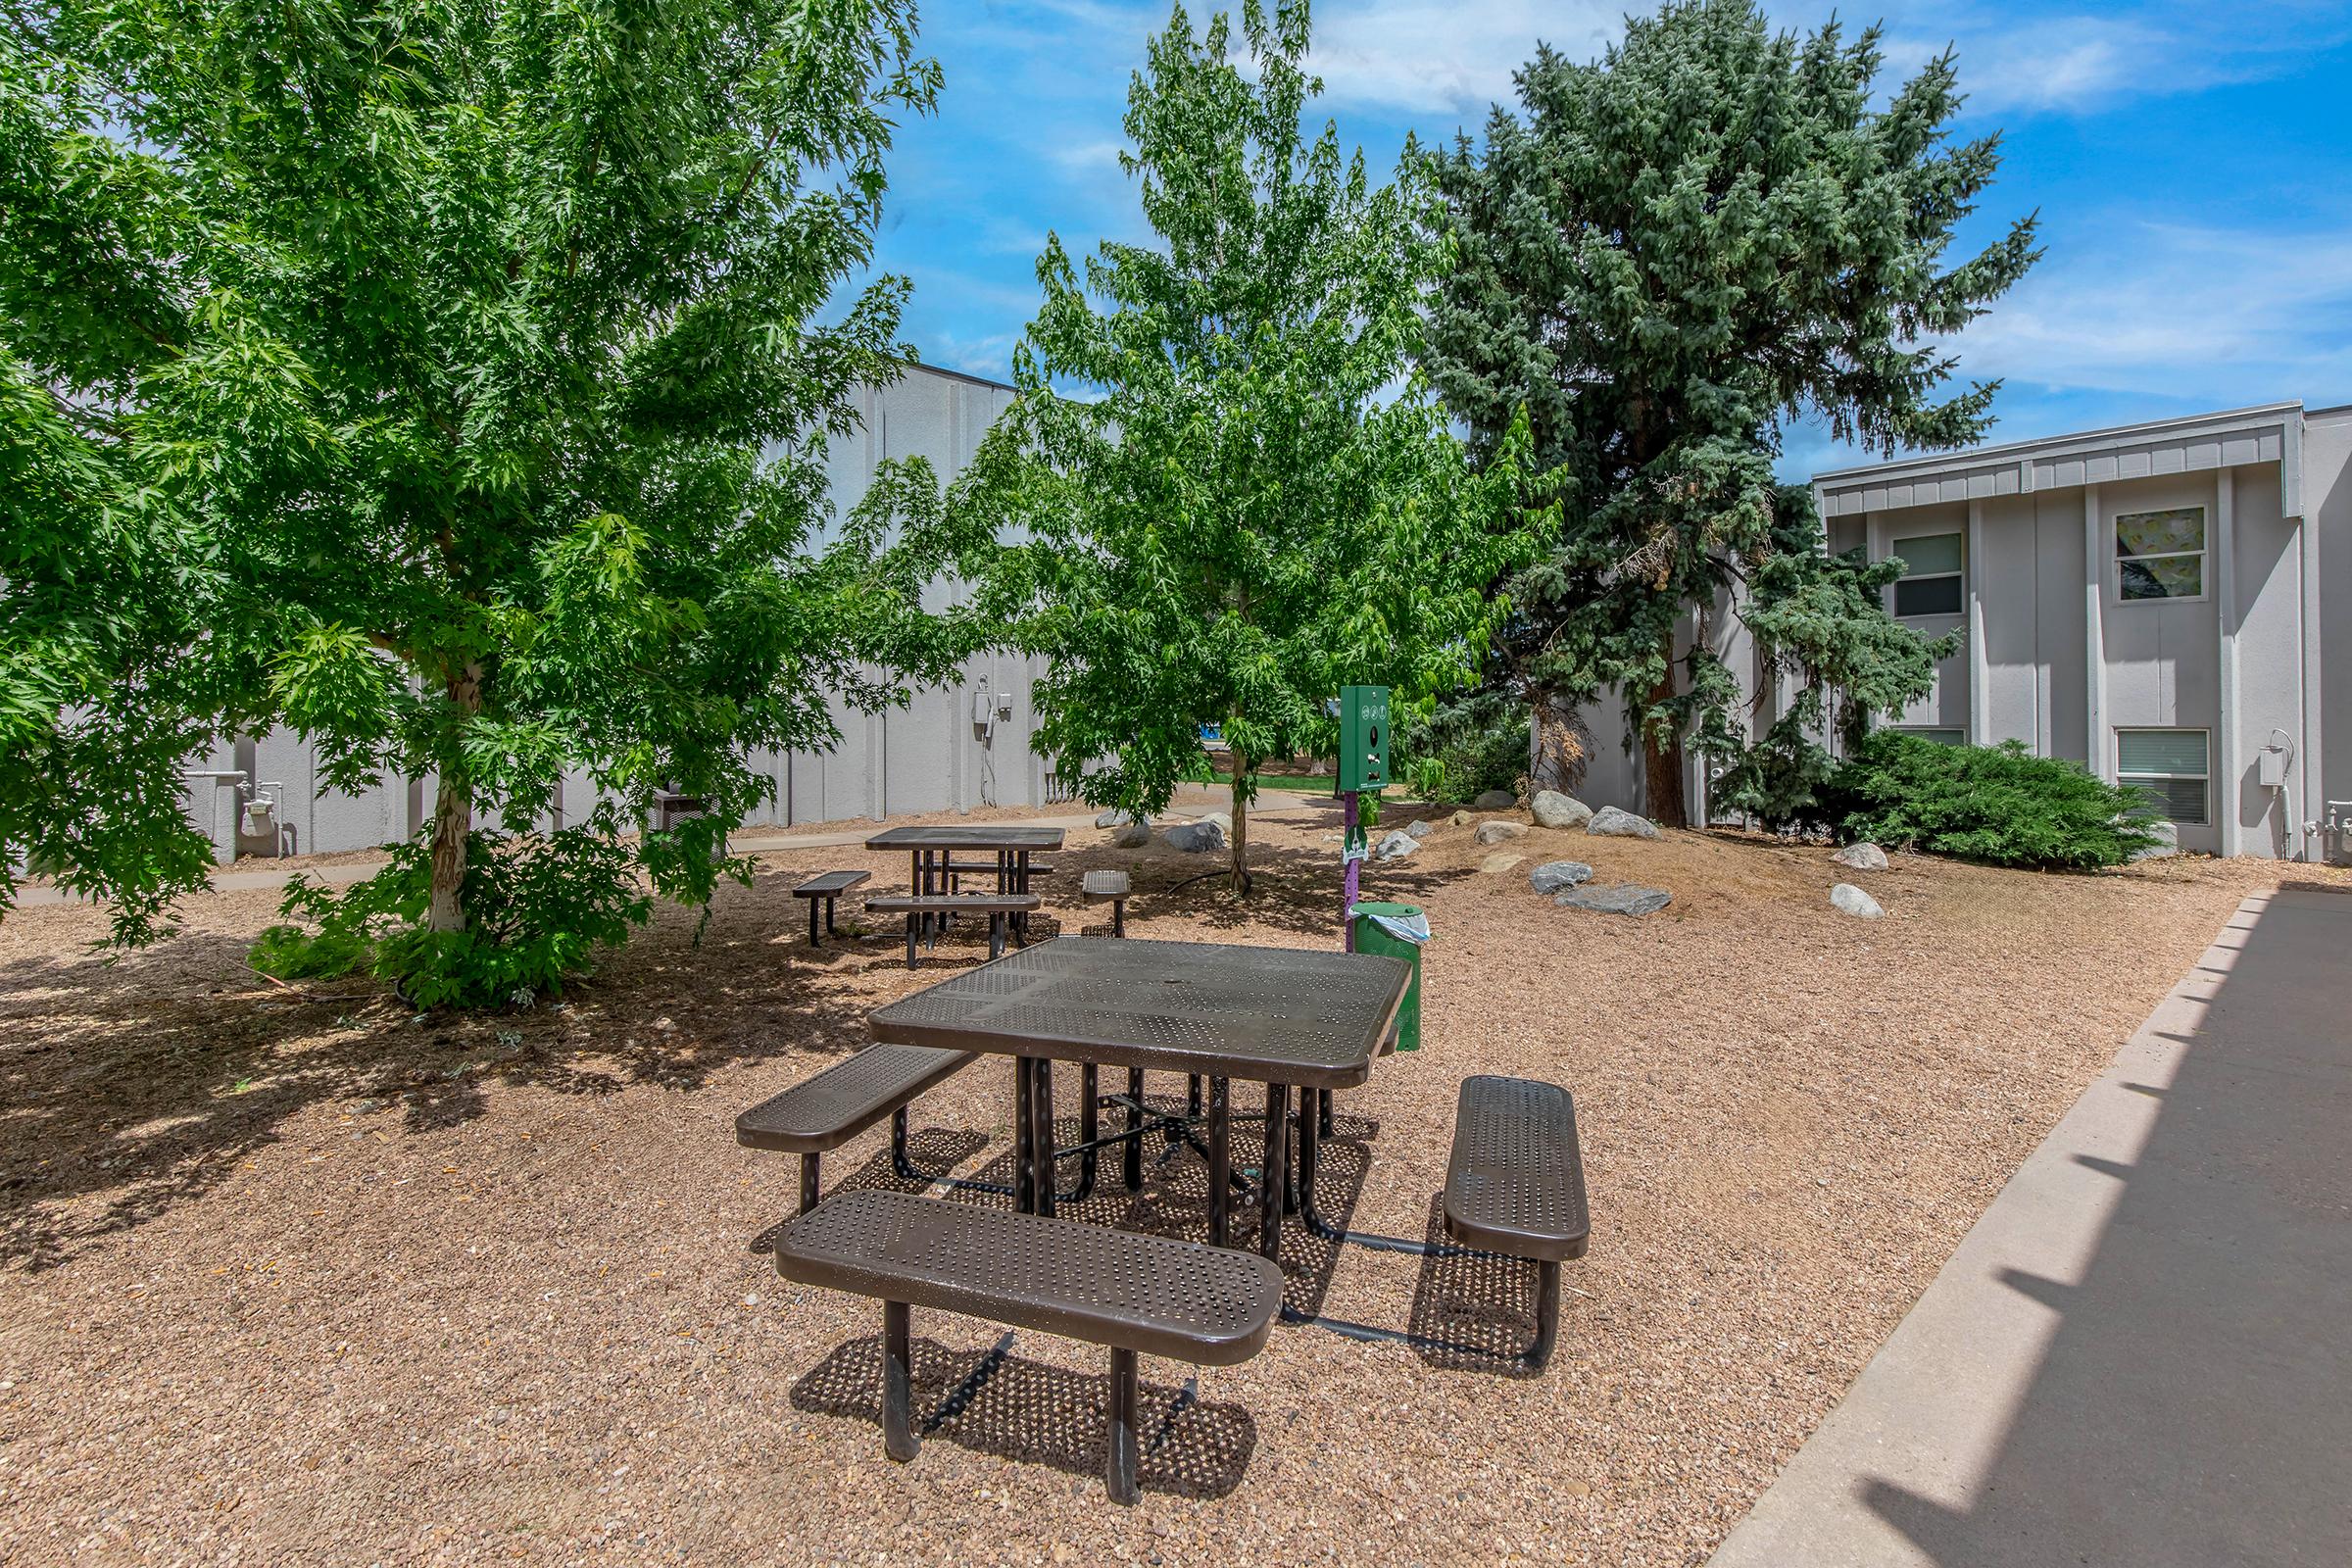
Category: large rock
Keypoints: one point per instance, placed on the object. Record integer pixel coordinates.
(1863, 856)
(1459, 819)
(1500, 861)
(1618, 898)
(1421, 829)
(1114, 817)
(1847, 899)
(1134, 836)
(1495, 832)
(1196, 838)
(1397, 846)
(1551, 808)
(1223, 819)
(2168, 843)
(1495, 801)
(1554, 875)
(1611, 822)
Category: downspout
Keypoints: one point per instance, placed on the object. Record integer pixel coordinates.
(2094, 640)
(2224, 593)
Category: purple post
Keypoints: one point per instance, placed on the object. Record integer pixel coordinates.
(1349, 880)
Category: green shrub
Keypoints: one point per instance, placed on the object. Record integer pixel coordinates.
(537, 910)
(1464, 748)
(1994, 804)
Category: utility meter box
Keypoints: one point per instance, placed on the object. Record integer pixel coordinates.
(1363, 737)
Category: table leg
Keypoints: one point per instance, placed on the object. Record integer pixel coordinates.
(1310, 1143)
(813, 937)
(1271, 1180)
(1040, 1147)
(1220, 1160)
(1131, 1158)
(1024, 1113)
(1323, 1111)
(1090, 1123)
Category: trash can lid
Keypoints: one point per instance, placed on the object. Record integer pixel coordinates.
(1403, 921)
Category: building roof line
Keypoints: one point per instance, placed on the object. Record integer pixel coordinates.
(2074, 441)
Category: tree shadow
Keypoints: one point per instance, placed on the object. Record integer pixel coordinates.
(131, 1086)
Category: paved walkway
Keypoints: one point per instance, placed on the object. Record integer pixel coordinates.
(2142, 1355)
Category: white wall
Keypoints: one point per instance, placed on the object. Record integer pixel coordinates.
(929, 756)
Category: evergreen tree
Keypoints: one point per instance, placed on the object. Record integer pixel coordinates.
(449, 383)
(1665, 255)
(1245, 500)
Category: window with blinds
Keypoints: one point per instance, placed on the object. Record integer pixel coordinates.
(2174, 765)
(1931, 583)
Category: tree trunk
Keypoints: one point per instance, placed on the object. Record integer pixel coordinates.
(453, 820)
(1663, 765)
(1241, 827)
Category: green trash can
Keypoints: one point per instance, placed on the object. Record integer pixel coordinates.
(1398, 930)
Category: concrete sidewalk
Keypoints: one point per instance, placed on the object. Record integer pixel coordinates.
(2142, 1355)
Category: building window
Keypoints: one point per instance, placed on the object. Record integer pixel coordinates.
(2161, 555)
(2171, 765)
(1930, 580)
(1940, 736)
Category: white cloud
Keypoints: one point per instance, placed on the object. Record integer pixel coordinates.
(2171, 310)
(1426, 57)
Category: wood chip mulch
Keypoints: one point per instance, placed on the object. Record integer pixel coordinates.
(289, 1275)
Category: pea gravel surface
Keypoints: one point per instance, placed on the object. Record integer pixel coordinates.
(292, 1275)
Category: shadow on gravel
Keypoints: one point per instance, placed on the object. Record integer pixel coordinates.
(992, 1402)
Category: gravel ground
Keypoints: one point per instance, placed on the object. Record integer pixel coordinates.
(288, 1276)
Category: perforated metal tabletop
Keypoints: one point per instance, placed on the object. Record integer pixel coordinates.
(966, 835)
(1309, 1017)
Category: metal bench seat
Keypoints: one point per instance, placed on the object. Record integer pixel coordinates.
(1515, 1185)
(837, 1105)
(825, 889)
(1113, 886)
(1136, 1293)
(917, 906)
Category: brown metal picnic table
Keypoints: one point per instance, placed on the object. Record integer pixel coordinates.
(1309, 1019)
(931, 851)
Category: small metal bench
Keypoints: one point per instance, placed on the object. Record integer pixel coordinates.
(825, 889)
(1515, 1185)
(916, 906)
(1138, 1295)
(1113, 886)
(837, 1105)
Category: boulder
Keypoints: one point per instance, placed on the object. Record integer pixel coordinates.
(1223, 819)
(1551, 808)
(1611, 822)
(1498, 830)
(1196, 838)
(2168, 843)
(1495, 801)
(1847, 899)
(1114, 817)
(1134, 836)
(1421, 829)
(1397, 846)
(1459, 819)
(1863, 856)
(1617, 898)
(1500, 861)
(1554, 875)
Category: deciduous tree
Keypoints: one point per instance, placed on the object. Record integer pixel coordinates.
(1237, 497)
(450, 383)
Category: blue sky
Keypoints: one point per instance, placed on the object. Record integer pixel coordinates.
(2192, 164)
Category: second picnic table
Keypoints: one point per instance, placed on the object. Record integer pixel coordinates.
(1309, 1019)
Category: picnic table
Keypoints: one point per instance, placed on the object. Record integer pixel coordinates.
(1303, 1019)
(931, 854)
